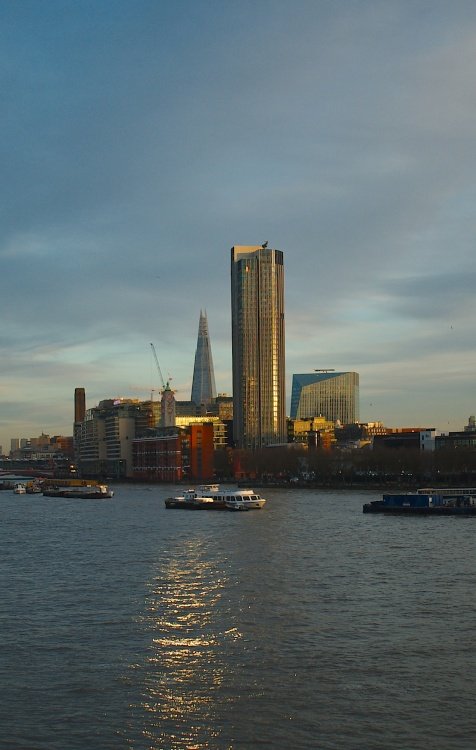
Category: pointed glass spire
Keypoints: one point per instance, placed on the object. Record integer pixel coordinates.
(203, 385)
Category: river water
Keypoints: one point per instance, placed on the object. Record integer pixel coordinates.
(304, 625)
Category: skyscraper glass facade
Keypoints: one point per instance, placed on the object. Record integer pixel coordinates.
(257, 306)
(203, 384)
(333, 395)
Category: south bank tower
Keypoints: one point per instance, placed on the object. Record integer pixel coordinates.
(257, 317)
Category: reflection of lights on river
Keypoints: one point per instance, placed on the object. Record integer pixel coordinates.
(185, 672)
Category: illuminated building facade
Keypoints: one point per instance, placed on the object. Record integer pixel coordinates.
(257, 313)
(313, 432)
(167, 407)
(162, 456)
(333, 395)
(201, 450)
(79, 404)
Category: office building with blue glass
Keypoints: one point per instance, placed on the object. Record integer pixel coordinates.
(333, 395)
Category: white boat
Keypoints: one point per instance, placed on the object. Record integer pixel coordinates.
(235, 499)
(243, 500)
(19, 489)
(214, 497)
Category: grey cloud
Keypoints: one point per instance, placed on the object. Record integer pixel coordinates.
(139, 142)
(449, 296)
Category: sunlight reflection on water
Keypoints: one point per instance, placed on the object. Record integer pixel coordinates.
(184, 670)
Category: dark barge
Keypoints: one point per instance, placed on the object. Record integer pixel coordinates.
(426, 502)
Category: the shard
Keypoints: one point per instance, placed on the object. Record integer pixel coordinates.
(203, 385)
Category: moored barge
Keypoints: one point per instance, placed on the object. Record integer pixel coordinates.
(457, 501)
(87, 492)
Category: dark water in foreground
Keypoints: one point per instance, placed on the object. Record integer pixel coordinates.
(304, 625)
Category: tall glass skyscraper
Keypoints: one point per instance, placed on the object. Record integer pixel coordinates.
(203, 384)
(257, 319)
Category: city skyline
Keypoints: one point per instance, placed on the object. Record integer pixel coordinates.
(137, 148)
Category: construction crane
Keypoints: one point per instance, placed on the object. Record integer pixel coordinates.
(158, 366)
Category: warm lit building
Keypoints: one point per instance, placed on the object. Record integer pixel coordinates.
(224, 406)
(201, 450)
(162, 456)
(333, 395)
(257, 312)
(63, 444)
(175, 453)
(221, 436)
(311, 432)
(79, 404)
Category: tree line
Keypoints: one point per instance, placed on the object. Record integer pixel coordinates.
(298, 465)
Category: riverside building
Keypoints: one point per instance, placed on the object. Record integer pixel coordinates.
(257, 314)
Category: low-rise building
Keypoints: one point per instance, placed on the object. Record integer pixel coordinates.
(313, 432)
(465, 438)
(104, 438)
(162, 455)
(411, 438)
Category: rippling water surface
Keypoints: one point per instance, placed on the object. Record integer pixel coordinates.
(305, 625)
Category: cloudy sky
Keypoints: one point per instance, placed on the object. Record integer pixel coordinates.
(141, 139)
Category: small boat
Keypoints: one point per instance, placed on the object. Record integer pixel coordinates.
(19, 489)
(193, 500)
(88, 492)
(212, 497)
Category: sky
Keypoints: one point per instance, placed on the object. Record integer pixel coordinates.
(141, 139)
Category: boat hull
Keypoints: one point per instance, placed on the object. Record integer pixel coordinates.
(79, 495)
(437, 510)
(177, 504)
(244, 504)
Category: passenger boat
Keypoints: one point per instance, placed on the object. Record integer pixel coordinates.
(200, 498)
(88, 492)
(458, 501)
(213, 497)
(19, 489)
(190, 500)
(244, 500)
